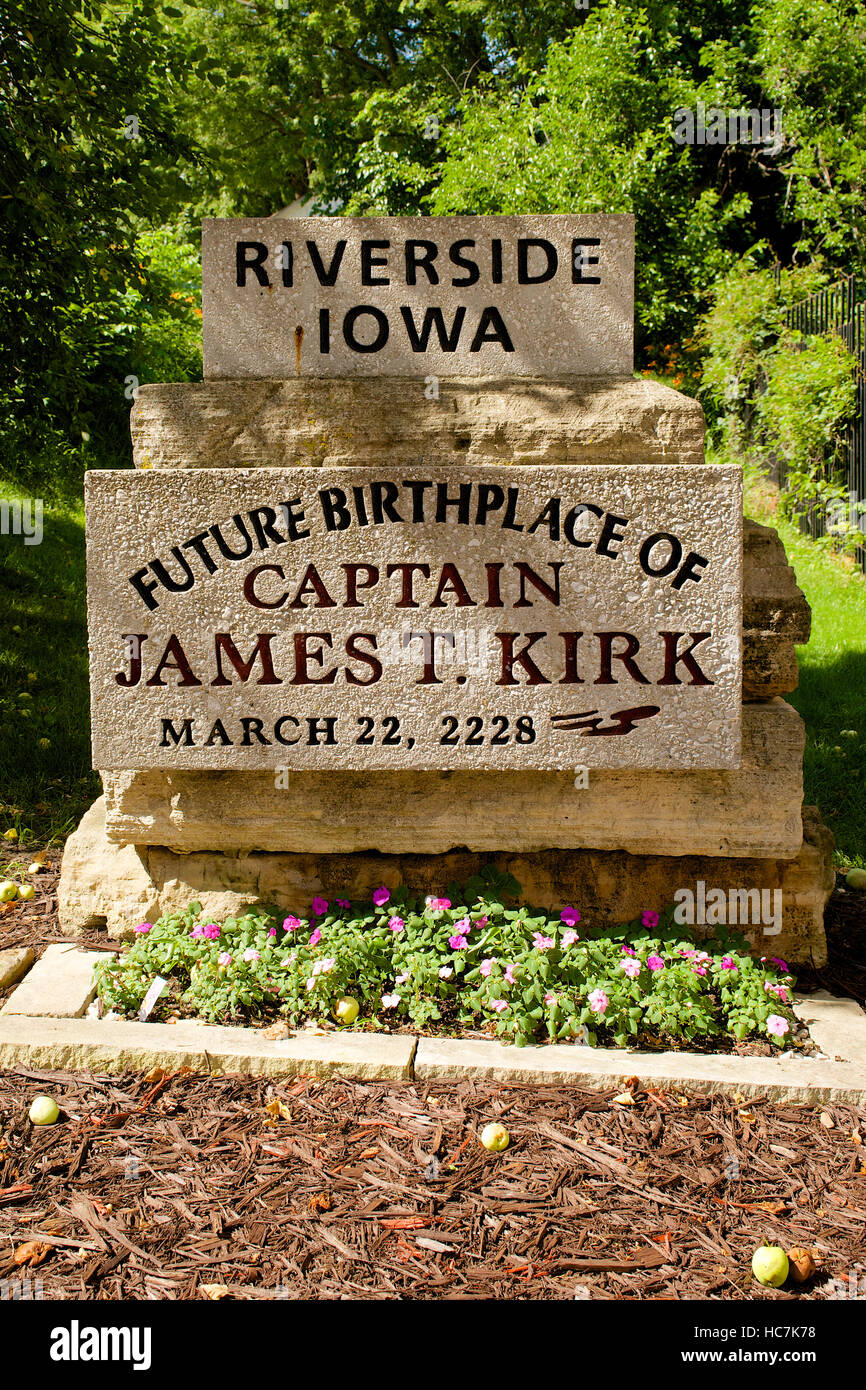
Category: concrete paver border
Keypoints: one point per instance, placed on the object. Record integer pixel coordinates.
(70, 1042)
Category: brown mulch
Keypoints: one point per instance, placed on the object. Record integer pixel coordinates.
(185, 1186)
(161, 1187)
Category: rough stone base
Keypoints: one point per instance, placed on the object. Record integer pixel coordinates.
(753, 812)
(120, 885)
(363, 421)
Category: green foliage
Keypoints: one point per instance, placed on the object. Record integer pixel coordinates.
(333, 100)
(742, 328)
(592, 132)
(46, 782)
(803, 415)
(776, 395)
(470, 962)
(812, 57)
(74, 193)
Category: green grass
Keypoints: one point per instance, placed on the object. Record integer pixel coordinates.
(831, 695)
(43, 655)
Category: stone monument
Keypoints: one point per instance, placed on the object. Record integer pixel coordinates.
(420, 575)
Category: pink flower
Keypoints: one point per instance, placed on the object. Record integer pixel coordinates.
(457, 943)
(700, 970)
(569, 938)
(779, 991)
(396, 924)
(550, 998)
(509, 974)
(464, 926)
(343, 902)
(655, 963)
(481, 922)
(251, 955)
(381, 895)
(631, 967)
(210, 932)
(598, 1001)
(777, 1026)
(311, 982)
(627, 951)
(498, 1005)
(401, 979)
(446, 972)
(291, 923)
(320, 906)
(390, 1001)
(542, 943)
(315, 937)
(781, 964)
(438, 904)
(144, 927)
(729, 964)
(570, 916)
(649, 919)
(272, 931)
(224, 958)
(486, 967)
(324, 966)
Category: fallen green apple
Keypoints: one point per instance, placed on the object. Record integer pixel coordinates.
(495, 1138)
(346, 1010)
(8, 891)
(856, 878)
(44, 1111)
(770, 1265)
(27, 891)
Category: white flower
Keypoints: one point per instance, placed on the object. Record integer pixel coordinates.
(390, 1001)
(401, 979)
(446, 972)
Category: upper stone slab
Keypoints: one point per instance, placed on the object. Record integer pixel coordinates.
(549, 296)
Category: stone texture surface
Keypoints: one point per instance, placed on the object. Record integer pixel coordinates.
(838, 1026)
(109, 1046)
(60, 985)
(793, 1078)
(608, 886)
(577, 564)
(776, 615)
(267, 322)
(13, 964)
(754, 810)
(363, 423)
(115, 1047)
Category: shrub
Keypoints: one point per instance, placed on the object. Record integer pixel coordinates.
(803, 415)
(463, 961)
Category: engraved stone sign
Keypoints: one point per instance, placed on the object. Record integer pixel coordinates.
(364, 618)
(549, 296)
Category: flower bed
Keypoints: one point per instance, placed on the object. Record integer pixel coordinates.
(442, 965)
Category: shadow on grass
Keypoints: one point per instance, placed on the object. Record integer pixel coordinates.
(832, 700)
(45, 775)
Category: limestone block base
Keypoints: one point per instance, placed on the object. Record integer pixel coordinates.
(752, 811)
(372, 421)
(121, 885)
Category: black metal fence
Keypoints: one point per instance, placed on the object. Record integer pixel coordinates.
(838, 309)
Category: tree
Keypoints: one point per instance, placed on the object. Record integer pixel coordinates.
(89, 143)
